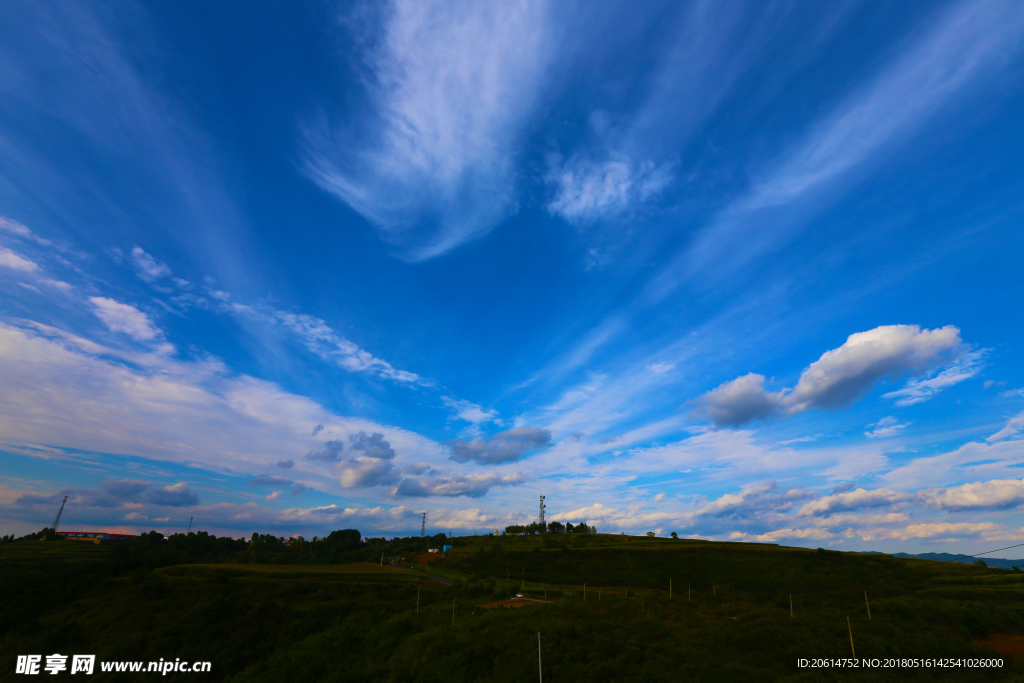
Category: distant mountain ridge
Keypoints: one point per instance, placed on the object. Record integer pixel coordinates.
(948, 557)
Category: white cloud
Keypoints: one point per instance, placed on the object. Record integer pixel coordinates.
(147, 267)
(839, 377)
(661, 368)
(473, 485)
(453, 85)
(364, 472)
(968, 41)
(119, 317)
(971, 460)
(9, 259)
(919, 390)
(886, 427)
(853, 500)
(997, 494)
(469, 412)
(13, 227)
(67, 392)
(587, 191)
(1013, 426)
(319, 338)
(740, 401)
(948, 529)
(504, 447)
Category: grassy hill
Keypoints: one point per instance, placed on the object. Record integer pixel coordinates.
(610, 615)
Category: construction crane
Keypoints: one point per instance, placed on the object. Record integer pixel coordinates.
(56, 520)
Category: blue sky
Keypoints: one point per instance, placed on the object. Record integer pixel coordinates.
(735, 270)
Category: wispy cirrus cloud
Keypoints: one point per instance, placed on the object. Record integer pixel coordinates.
(469, 412)
(966, 43)
(923, 389)
(317, 336)
(452, 87)
(885, 428)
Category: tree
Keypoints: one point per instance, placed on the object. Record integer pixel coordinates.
(675, 535)
(650, 534)
(555, 528)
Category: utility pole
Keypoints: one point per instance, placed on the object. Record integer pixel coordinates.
(56, 520)
(540, 517)
(189, 526)
(540, 669)
(423, 527)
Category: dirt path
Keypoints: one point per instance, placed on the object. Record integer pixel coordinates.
(391, 561)
(517, 603)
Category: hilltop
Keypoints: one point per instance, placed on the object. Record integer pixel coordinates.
(609, 614)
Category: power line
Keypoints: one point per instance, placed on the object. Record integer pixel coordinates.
(989, 552)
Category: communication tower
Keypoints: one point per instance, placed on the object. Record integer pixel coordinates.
(56, 520)
(540, 519)
(423, 527)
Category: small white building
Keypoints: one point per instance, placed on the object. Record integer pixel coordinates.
(433, 550)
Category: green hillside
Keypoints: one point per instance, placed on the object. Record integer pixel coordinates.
(610, 615)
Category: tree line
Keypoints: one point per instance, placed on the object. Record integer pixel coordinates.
(534, 528)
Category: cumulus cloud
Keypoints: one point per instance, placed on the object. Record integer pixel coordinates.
(286, 464)
(125, 489)
(148, 268)
(884, 428)
(174, 495)
(372, 445)
(508, 446)
(740, 401)
(853, 500)
(843, 375)
(472, 486)
(453, 84)
(316, 430)
(998, 494)
(331, 452)
(299, 489)
(9, 259)
(119, 317)
(373, 467)
(364, 472)
(753, 501)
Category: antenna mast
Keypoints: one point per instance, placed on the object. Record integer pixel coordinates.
(423, 527)
(540, 520)
(56, 520)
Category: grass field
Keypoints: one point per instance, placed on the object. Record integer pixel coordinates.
(728, 617)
